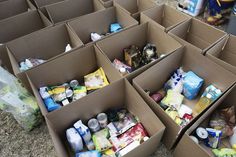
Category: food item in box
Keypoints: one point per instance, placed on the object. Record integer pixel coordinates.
(30, 63)
(74, 139)
(115, 27)
(101, 141)
(102, 119)
(83, 130)
(96, 80)
(95, 36)
(94, 125)
(158, 96)
(133, 56)
(172, 98)
(149, 54)
(210, 94)
(191, 85)
(68, 48)
(224, 152)
(120, 66)
(79, 92)
(124, 124)
(213, 137)
(92, 153)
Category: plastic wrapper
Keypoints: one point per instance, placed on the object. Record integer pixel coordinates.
(172, 98)
(92, 153)
(79, 92)
(15, 99)
(96, 80)
(101, 141)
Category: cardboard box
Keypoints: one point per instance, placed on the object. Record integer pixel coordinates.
(224, 53)
(164, 17)
(90, 106)
(42, 3)
(139, 36)
(17, 26)
(69, 9)
(85, 25)
(12, 7)
(70, 66)
(107, 3)
(187, 145)
(134, 7)
(46, 44)
(155, 77)
(198, 34)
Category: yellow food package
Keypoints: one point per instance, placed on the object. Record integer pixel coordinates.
(96, 80)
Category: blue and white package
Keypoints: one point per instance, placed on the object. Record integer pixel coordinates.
(83, 131)
(92, 153)
(115, 27)
(74, 139)
(192, 85)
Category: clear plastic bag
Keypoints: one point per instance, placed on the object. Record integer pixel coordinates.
(15, 99)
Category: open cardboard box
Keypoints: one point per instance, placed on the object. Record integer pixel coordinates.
(224, 53)
(69, 9)
(45, 44)
(155, 77)
(164, 17)
(198, 34)
(107, 3)
(14, 7)
(88, 24)
(42, 3)
(67, 67)
(134, 7)
(97, 102)
(187, 145)
(139, 36)
(17, 26)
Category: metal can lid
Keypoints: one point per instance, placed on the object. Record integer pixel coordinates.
(74, 83)
(202, 133)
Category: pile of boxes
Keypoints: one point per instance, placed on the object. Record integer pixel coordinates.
(58, 32)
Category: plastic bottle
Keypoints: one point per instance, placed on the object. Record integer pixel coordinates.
(74, 139)
(202, 104)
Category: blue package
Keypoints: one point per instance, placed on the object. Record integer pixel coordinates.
(192, 85)
(92, 153)
(115, 27)
(50, 104)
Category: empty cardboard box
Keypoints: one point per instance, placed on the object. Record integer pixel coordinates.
(45, 44)
(12, 7)
(198, 34)
(107, 3)
(155, 77)
(164, 17)
(69, 9)
(95, 103)
(100, 22)
(134, 7)
(42, 3)
(20, 25)
(70, 66)
(224, 53)
(139, 36)
(187, 145)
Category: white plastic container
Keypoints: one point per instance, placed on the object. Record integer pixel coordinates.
(191, 7)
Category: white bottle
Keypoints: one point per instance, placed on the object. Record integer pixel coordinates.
(83, 131)
(74, 139)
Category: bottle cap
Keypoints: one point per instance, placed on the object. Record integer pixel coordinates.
(122, 70)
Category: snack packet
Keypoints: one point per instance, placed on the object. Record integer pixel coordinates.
(101, 141)
(96, 80)
(79, 92)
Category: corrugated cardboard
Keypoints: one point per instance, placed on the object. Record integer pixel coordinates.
(187, 145)
(224, 53)
(198, 34)
(20, 25)
(164, 17)
(134, 7)
(42, 3)
(46, 44)
(154, 78)
(67, 67)
(100, 22)
(139, 36)
(125, 97)
(107, 3)
(13, 7)
(69, 9)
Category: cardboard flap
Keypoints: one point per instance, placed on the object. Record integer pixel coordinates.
(20, 25)
(66, 10)
(144, 4)
(218, 48)
(125, 19)
(131, 6)
(181, 30)
(160, 38)
(42, 3)
(11, 8)
(97, 5)
(44, 44)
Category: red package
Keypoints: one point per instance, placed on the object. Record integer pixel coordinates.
(136, 133)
